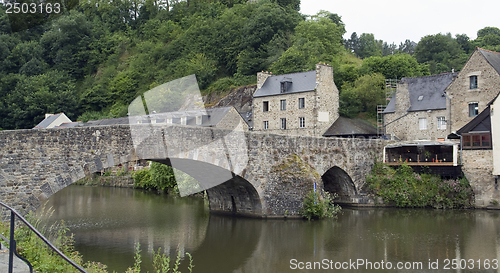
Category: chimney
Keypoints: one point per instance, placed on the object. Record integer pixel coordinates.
(261, 78)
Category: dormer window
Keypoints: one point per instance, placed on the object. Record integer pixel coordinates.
(285, 85)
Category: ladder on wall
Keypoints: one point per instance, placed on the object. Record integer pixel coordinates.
(390, 89)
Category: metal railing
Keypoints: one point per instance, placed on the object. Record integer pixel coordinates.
(12, 242)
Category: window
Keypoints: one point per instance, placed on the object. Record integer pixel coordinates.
(422, 123)
(266, 124)
(302, 103)
(441, 124)
(183, 120)
(265, 106)
(473, 109)
(198, 120)
(283, 123)
(473, 82)
(476, 141)
(169, 120)
(302, 122)
(283, 105)
(283, 87)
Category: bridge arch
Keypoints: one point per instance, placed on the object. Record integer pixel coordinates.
(336, 180)
(235, 196)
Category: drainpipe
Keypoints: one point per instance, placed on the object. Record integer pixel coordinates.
(449, 114)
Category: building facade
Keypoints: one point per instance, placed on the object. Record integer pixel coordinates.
(417, 111)
(476, 85)
(304, 103)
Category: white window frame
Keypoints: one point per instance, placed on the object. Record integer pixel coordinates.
(199, 120)
(283, 123)
(302, 122)
(422, 123)
(184, 120)
(266, 124)
(441, 123)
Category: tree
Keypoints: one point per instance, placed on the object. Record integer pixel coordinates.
(33, 97)
(66, 44)
(363, 95)
(407, 47)
(465, 43)
(266, 23)
(315, 40)
(488, 31)
(441, 52)
(394, 66)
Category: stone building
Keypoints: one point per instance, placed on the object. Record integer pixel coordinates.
(221, 118)
(304, 103)
(476, 85)
(417, 111)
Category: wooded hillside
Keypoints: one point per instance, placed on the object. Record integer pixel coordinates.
(91, 61)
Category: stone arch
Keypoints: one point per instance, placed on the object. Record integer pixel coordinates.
(235, 196)
(336, 180)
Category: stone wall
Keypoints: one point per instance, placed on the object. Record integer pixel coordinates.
(327, 98)
(320, 112)
(478, 167)
(406, 127)
(461, 95)
(34, 164)
(292, 113)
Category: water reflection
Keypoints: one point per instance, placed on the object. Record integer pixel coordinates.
(107, 222)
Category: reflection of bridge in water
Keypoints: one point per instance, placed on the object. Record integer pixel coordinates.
(244, 173)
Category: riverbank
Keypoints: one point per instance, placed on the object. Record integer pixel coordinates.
(122, 181)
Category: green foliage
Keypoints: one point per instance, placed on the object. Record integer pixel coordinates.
(405, 188)
(315, 40)
(158, 177)
(441, 52)
(101, 55)
(362, 96)
(319, 206)
(394, 66)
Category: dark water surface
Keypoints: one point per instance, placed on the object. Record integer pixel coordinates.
(108, 222)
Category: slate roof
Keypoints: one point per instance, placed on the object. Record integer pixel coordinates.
(344, 127)
(481, 123)
(492, 57)
(300, 82)
(426, 93)
(47, 121)
(70, 124)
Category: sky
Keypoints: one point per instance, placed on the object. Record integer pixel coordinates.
(396, 21)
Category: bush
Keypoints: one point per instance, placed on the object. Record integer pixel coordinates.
(319, 206)
(159, 177)
(405, 188)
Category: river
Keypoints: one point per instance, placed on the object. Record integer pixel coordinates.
(108, 222)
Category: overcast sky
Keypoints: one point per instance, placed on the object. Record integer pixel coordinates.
(396, 21)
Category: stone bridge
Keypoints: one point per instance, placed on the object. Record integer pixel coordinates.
(244, 173)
